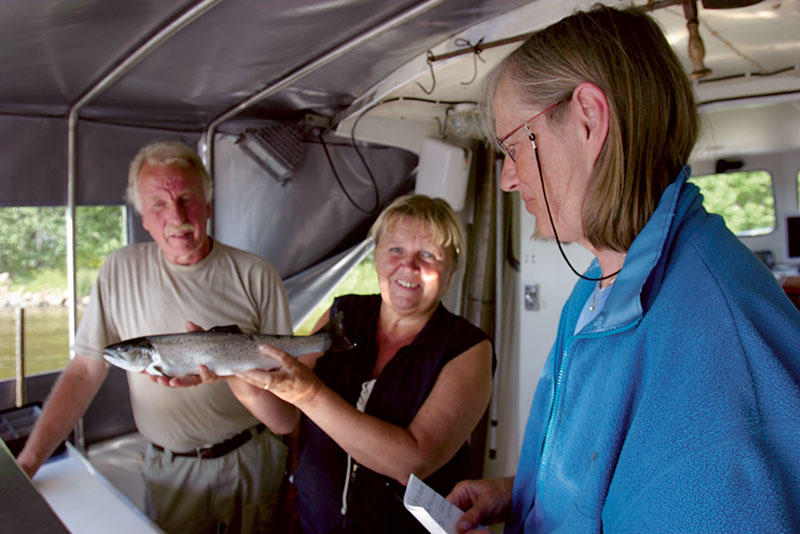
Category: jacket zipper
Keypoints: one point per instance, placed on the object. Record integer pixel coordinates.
(552, 420)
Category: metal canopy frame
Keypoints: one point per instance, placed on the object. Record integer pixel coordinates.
(118, 72)
(207, 148)
(127, 63)
(207, 142)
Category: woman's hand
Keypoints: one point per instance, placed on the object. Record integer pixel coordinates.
(486, 501)
(294, 382)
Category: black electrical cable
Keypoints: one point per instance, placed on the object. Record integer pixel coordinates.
(341, 185)
(532, 138)
(361, 156)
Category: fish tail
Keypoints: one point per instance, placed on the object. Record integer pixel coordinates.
(339, 341)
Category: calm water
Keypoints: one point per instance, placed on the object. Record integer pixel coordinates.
(46, 340)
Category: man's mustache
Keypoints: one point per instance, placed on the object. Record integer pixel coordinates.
(178, 229)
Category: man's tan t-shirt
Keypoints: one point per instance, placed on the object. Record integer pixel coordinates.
(139, 293)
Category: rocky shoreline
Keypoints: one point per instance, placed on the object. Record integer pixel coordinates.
(12, 299)
(27, 299)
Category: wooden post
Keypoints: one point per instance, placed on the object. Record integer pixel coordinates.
(20, 330)
(697, 50)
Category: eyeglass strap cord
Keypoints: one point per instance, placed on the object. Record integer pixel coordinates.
(532, 137)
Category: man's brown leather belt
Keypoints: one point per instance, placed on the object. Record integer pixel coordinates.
(220, 449)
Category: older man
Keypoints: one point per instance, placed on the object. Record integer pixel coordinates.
(211, 464)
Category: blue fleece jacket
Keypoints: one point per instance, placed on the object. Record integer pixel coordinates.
(677, 409)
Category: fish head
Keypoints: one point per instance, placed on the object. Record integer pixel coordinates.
(133, 355)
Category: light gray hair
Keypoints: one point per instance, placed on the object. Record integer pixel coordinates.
(165, 153)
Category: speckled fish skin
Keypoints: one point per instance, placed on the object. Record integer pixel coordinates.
(224, 353)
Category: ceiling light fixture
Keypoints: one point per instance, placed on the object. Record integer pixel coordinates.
(278, 149)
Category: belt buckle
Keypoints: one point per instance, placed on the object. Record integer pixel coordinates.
(204, 453)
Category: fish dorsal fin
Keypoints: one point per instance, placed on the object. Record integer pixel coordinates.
(227, 329)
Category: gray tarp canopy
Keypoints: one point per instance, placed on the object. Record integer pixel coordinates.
(52, 52)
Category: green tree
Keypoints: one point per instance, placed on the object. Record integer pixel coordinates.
(798, 190)
(33, 239)
(99, 231)
(361, 280)
(744, 199)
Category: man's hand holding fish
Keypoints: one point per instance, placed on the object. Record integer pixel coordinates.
(204, 376)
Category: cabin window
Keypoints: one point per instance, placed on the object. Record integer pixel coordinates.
(33, 276)
(798, 190)
(361, 280)
(745, 200)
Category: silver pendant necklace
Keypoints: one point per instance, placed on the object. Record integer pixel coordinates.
(596, 293)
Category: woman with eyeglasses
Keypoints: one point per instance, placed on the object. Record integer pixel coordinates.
(670, 399)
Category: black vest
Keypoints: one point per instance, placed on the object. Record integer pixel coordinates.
(375, 502)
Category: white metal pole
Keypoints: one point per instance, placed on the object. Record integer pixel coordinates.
(109, 79)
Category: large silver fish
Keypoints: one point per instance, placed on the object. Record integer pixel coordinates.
(224, 350)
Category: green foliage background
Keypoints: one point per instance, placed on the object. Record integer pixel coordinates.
(33, 252)
(744, 199)
(362, 280)
(33, 242)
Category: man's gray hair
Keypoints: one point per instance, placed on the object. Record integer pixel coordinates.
(165, 153)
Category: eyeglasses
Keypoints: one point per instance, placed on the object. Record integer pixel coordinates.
(501, 142)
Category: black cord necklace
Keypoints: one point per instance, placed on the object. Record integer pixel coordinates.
(532, 138)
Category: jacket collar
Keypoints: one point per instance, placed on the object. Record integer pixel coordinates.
(643, 270)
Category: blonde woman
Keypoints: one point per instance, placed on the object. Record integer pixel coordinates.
(404, 399)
